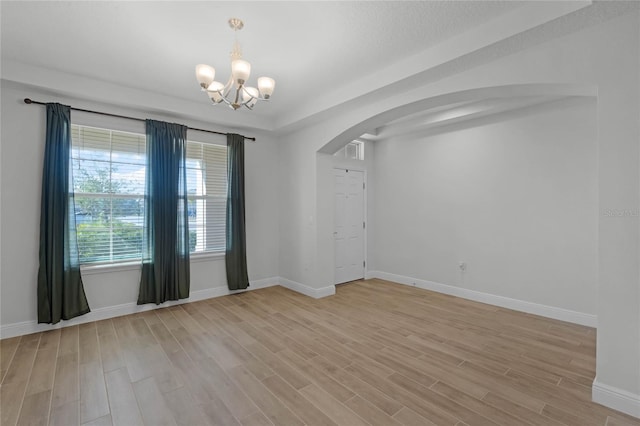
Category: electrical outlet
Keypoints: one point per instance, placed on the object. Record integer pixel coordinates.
(462, 266)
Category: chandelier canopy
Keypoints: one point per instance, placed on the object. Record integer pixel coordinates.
(235, 93)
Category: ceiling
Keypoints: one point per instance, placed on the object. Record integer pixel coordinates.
(143, 54)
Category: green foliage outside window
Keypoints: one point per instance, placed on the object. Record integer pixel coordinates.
(100, 224)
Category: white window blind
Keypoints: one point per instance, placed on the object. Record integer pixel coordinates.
(109, 181)
(207, 196)
(108, 184)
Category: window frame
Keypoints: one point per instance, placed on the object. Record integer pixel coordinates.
(137, 127)
(343, 153)
(93, 155)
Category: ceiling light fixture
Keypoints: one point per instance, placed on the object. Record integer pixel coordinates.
(240, 70)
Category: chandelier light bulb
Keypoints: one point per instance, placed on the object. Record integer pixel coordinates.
(250, 96)
(249, 93)
(240, 70)
(266, 86)
(205, 75)
(214, 91)
(216, 97)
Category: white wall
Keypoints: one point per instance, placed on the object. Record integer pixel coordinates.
(516, 200)
(23, 129)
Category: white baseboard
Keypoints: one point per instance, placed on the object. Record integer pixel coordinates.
(264, 283)
(29, 327)
(505, 302)
(316, 293)
(616, 398)
(370, 274)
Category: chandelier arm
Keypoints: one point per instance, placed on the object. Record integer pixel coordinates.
(246, 103)
(241, 87)
(227, 87)
(226, 101)
(244, 90)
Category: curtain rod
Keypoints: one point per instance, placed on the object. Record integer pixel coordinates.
(29, 101)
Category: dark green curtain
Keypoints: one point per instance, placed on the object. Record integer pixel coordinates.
(236, 250)
(60, 290)
(165, 246)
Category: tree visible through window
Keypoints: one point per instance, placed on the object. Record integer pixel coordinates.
(108, 185)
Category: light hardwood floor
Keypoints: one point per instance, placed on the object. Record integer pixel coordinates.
(376, 353)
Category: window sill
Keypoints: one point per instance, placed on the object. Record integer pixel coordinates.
(132, 266)
(205, 257)
(110, 267)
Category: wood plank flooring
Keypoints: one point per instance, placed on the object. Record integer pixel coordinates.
(376, 353)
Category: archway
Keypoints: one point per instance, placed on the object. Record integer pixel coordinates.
(543, 92)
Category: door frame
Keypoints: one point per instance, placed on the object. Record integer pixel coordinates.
(364, 214)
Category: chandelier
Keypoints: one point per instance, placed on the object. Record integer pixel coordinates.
(235, 93)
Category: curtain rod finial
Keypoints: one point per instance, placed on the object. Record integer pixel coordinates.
(27, 101)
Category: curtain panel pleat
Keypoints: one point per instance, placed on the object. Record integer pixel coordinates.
(236, 249)
(60, 291)
(165, 249)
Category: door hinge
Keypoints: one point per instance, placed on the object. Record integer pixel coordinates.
(364, 263)
(363, 225)
(362, 185)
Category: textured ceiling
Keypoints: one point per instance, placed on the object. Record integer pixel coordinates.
(308, 47)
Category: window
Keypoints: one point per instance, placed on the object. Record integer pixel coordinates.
(108, 183)
(207, 196)
(352, 151)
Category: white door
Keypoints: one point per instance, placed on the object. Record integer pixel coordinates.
(349, 225)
